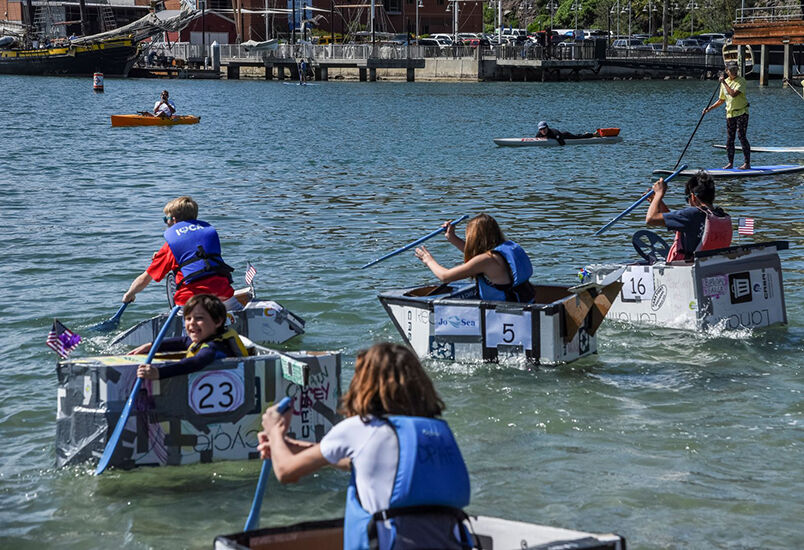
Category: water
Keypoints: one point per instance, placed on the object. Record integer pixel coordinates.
(670, 438)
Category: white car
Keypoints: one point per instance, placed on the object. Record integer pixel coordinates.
(627, 44)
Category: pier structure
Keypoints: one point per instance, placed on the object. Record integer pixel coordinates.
(769, 26)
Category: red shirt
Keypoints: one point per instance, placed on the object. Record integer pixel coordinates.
(164, 262)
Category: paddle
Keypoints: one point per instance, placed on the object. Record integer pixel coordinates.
(696, 126)
(414, 243)
(637, 203)
(121, 422)
(112, 322)
(256, 504)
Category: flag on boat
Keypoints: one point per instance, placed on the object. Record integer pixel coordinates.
(251, 271)
(745, 226)
(62, 339)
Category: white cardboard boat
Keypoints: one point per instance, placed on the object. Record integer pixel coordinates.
(732, 288)
(451, 322)
(738, 173)
(207, 416)
(490, 534)
(546, 142)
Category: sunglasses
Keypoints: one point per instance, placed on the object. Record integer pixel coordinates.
(166, 219)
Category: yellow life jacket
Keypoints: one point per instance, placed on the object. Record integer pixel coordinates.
(228, 340)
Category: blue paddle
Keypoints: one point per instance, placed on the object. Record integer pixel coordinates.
(640, 201)
(109, 324)
(414, 243)
(254, 514)
(121, 422)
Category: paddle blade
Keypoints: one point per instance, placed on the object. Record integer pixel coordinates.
(112, 322)
(256, 504)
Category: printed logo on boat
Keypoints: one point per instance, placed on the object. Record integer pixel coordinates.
(659, 296)
(740, 287)
(456, 321)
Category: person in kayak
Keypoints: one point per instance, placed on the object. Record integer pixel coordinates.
(699, 226)
(732, 93)
(545, 131)
(164, 108)
(192, 251)
(502, 268)
(391, 412)
(207, 340)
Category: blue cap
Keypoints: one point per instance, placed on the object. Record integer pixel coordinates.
(542, 124)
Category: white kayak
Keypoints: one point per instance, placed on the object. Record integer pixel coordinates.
(737, 173)
(546, 142)
(766, 149)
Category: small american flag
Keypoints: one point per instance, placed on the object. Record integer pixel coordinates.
(251, 271)
(745, 226)
(62, 339)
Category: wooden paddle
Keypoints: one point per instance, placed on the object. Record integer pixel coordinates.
(112, 322)
(121, 422)
(637, 203)
(254, 515)
(414, 243)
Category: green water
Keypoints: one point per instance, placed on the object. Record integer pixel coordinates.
(670, 438)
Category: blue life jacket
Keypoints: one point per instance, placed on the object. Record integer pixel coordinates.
(520, 270)
(430, 488)
(197, 249)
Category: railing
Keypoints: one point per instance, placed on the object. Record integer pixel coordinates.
(790, 12)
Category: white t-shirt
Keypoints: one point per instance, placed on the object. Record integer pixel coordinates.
(160, 108)
(374, 450)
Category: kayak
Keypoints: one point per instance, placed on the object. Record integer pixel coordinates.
(737, 173)
(148, 120)
(766, 149)
(734, 288)
(489, 532)
(451, 322)
(546, 142)
(210, 415)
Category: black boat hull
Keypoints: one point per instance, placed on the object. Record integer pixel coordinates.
(111, 57)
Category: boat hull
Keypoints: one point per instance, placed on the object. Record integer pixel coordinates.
(262, 321)
(739, 287)
(113, 57)
(545, 142)
(207, 416)
(147, 120)
(496, 533)
(450, 322)
(756, 171)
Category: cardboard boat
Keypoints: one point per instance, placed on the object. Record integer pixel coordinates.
(734, 288)
(149, 120)
(489, 532)
(207, 416)
(262, 321)
(451, 322)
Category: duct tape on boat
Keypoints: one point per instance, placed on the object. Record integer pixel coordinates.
(456, 320)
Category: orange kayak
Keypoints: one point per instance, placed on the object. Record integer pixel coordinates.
(148, 120)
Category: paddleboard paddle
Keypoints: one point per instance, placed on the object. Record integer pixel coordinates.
(696, 126)
(254, 514)
(414, 243)
(112, 322)
(121, 422)
(644, 197)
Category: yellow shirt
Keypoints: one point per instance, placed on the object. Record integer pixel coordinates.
(736, 105)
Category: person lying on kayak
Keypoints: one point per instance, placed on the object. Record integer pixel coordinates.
(207, 340)
(699, 226)
(165, 107)
(502, 268)
(391, 412)
(545, 131)
(192, 251)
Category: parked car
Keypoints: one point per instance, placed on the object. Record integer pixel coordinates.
(715, 47)
(434, 43)
(443, 37)
(650, 47)
(627, 44)
(687, 45)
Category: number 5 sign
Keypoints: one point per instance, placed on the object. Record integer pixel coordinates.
(508, 329)
(216, 391)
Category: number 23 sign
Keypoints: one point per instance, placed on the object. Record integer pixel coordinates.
(216, 391)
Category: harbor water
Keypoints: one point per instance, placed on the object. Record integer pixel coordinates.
(671, 438)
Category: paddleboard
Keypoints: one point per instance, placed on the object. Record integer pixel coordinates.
(299, 84)
(737, 173)
(545, 142)
(767, 149)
